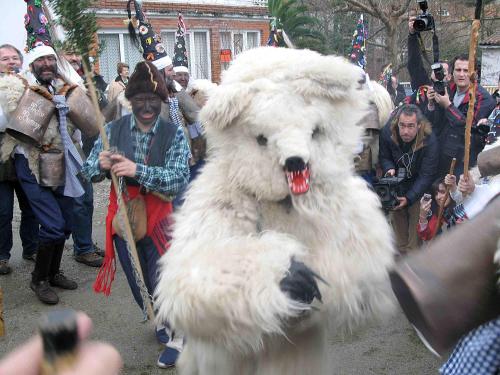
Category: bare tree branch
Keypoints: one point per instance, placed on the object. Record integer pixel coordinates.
(403, 9)
(375, 44)
(362, 7)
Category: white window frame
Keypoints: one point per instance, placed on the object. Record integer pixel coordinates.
(245, 38)
(120, 33)
(191, 57)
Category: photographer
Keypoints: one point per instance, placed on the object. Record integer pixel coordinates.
(448, 113)
(429, 209)
(407, 142)
(419, 77)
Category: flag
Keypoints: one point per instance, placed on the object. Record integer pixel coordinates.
(385, 76)
(358, 48)
(275, 39)
(278, 36)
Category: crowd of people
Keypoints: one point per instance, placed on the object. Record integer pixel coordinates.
(421, 138)
(152, 121)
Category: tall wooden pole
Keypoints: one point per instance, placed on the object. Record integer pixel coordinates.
(474, 37)
(122, 209)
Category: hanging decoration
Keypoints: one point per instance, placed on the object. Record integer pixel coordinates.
(358, 49)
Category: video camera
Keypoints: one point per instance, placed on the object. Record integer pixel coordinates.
(424, 21)
(438, 85)
(389, 188)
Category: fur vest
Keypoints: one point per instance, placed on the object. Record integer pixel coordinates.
(12, 88)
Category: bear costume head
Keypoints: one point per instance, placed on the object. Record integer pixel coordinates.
(292, 115)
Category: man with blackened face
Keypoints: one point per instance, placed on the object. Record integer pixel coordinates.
(45, 69)
(150, 156)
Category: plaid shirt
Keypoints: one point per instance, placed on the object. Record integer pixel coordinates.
(169, 179)
(174, 111)
(477, 353)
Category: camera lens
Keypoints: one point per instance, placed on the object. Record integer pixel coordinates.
(420, 24)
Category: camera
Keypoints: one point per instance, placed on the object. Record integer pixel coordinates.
(424, 21)
(389, 188)
(438, 85)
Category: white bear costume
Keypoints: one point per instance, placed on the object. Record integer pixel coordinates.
(241, 225)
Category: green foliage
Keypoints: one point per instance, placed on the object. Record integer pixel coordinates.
(300, 27)
(79, 22)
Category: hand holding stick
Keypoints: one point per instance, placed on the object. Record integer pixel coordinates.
(441, 205)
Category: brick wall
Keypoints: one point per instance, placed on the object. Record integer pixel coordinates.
(213, 18)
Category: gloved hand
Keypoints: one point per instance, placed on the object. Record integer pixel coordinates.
(300, 283)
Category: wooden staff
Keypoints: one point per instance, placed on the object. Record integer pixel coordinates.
(122, 209)
(476, 24)
(441, 205)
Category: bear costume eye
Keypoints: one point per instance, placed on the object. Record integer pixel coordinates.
(261, 140)
(316, 132)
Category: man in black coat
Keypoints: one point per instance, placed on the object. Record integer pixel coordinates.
(420, 78)
(407, 142)
(449, 113)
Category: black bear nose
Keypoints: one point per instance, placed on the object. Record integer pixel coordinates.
(294, 164)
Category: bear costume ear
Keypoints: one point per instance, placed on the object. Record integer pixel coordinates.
(332, 77)
(226, 104)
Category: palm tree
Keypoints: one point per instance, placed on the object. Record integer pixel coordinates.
(293, 19)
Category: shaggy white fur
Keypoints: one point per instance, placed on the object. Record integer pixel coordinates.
(240, 226)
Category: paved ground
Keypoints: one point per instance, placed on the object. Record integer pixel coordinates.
(389, 348)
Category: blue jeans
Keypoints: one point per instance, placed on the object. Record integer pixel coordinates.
(51, 208)
(28, 230)
(83, 209)
(148, 257)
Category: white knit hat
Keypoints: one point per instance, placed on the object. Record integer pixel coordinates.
(38, 52)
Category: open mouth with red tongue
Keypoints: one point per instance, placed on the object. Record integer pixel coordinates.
(298, 180)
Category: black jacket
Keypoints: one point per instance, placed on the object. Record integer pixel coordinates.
(418, 73)
(450, 123)
(423, 154)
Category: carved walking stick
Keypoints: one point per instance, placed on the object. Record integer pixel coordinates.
(476, 24)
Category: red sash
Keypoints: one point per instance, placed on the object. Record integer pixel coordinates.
(158, 212)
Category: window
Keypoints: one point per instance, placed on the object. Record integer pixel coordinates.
(118, 47)
(239, 41)
(198, 58)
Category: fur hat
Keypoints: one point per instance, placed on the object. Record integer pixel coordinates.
(150, 43)
(146, 79)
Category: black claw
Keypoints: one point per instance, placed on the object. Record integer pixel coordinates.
(300, 283)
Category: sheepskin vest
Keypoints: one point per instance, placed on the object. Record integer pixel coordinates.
(121, 139)
(11, 90)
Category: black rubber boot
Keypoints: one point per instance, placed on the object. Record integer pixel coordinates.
(56, 276)
(39, 276)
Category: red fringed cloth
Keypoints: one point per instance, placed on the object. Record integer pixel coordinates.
(158, 212)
